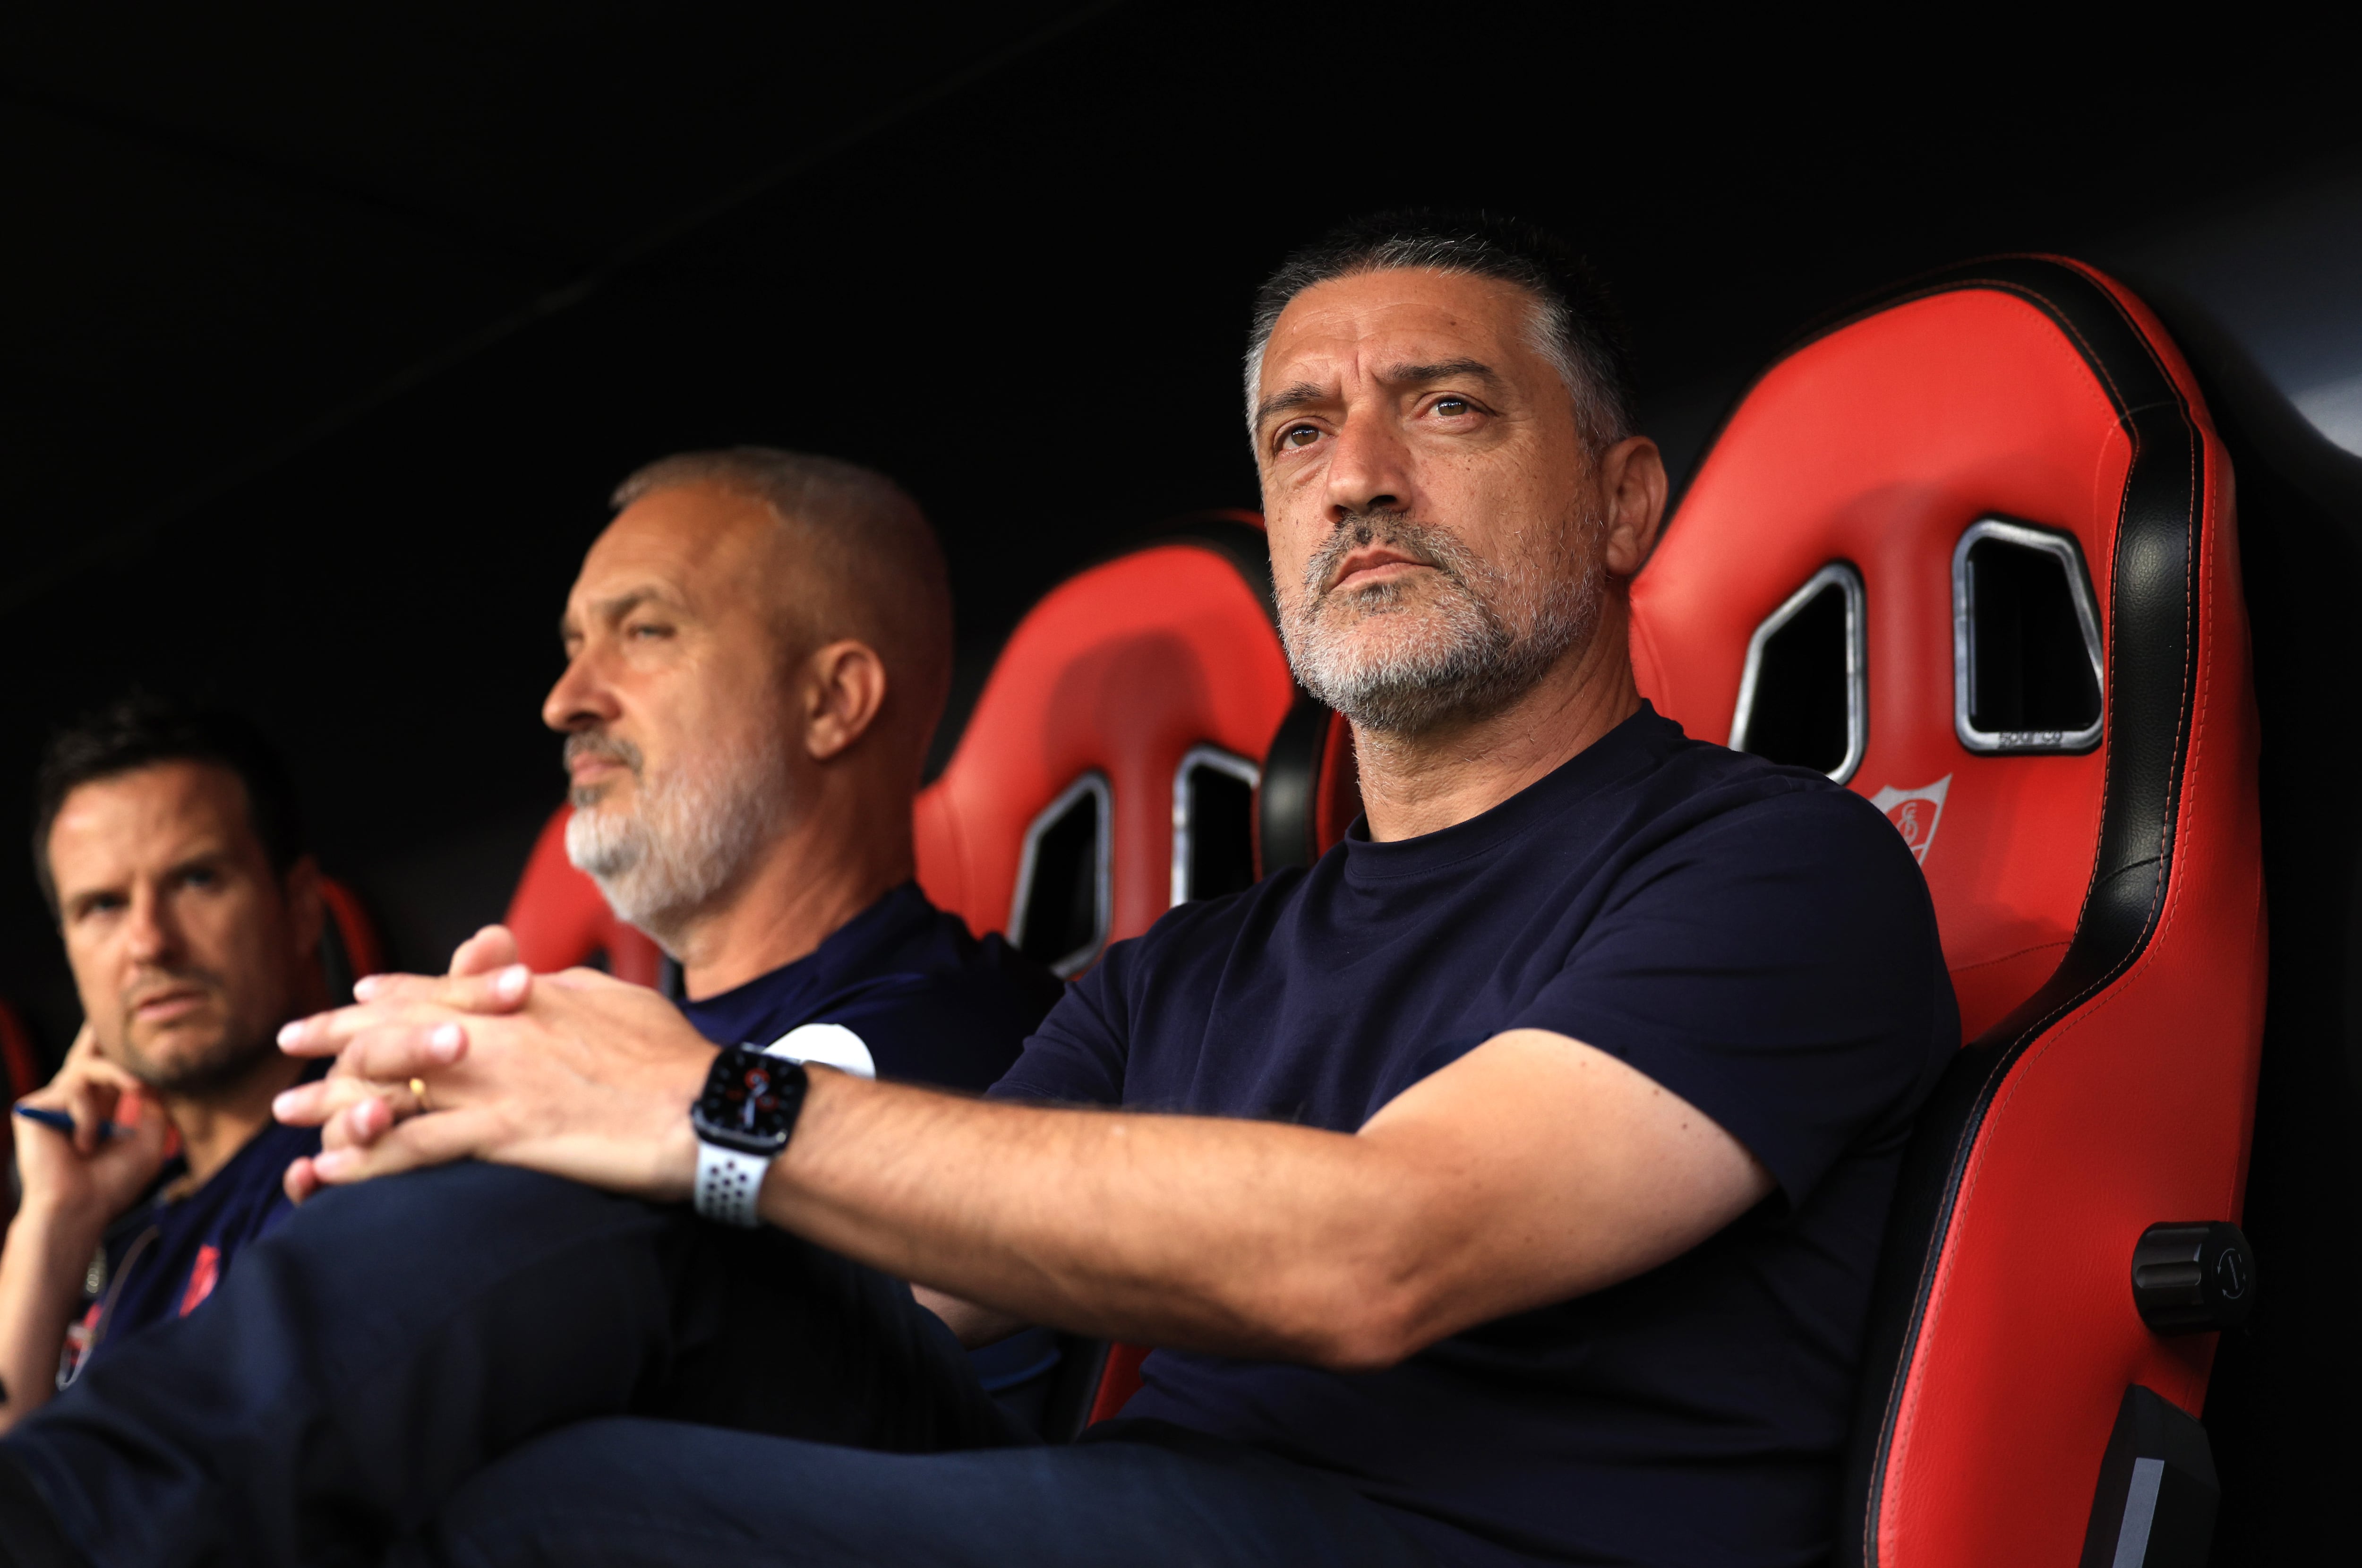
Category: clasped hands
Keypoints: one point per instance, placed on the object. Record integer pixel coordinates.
(576, 1073)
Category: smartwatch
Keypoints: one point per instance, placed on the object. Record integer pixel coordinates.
(742, 1120)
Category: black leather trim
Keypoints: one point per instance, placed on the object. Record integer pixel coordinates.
(1288, 809)
(2152, 669)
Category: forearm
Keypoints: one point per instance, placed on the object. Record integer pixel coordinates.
(1234, 1237)
(41, 1268)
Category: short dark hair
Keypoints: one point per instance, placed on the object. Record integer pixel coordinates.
(1576, 323)
(142, 729)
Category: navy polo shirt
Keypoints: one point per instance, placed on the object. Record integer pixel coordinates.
(933, 1004)
(1754, 938)
(165, 1254)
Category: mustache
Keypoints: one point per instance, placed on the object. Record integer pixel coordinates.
(1422, 542)
(149, 984)
(604, 748)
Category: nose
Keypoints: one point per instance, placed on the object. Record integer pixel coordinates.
(1369, 465)
(581, 699)
(150, 932)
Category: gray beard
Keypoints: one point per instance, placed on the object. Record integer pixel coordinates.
(1484, 642)
(693, 830)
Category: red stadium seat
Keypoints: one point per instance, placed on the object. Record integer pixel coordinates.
(20, 1074)
(1971, 550)
(560, 918)
(20, 1064)
(348, 946)
(1109, 769)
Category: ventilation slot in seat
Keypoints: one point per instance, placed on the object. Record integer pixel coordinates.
(1803, 698)
(1213, 823)
(1060, 915)
(2026, 641)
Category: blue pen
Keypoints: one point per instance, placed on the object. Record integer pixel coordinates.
(62, 1123)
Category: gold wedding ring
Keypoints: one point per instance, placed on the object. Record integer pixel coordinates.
(418, 1093)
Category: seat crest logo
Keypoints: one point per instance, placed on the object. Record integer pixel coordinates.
(1914, 812)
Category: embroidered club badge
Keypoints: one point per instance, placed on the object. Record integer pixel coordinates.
(1914, 812)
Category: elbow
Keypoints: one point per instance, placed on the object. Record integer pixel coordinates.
(1367, 1324)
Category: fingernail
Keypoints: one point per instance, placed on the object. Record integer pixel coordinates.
(365, 988)
(511, 982)
(444, 1042)
(290, 1033)
(283, 1103)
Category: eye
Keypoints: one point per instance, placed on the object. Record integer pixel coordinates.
(1300, 435)
(648, 631)
(1454, 407)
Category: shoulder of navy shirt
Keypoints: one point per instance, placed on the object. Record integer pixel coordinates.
(155, 1249)
(934, 1004)
(1755, 939)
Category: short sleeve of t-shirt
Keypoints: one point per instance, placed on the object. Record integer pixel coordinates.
(1755, 967)
(1076, 1056)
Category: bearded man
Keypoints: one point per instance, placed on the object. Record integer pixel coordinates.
(1504, 1189)
(758, 648)
(170, 847)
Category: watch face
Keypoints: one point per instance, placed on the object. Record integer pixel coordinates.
(750, 1100)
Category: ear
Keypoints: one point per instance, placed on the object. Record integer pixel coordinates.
(1632, 480)
(306, 907)
(844, 687)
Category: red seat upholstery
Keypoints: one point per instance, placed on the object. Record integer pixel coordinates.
(20, 1074)
(20, 1064)
(560, 918)
(2102, 910)
(1119, 672)
(350, 925)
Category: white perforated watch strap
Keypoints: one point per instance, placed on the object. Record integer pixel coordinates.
(728, 1183)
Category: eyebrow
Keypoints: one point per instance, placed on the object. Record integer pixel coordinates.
(1304, 392)
(617, 607)
(1443, 371)
(1296, 396)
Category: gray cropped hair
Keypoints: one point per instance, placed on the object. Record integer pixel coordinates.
(888, 585)
(1575, 325)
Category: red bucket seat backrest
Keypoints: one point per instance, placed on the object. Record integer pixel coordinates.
(1109, 770)
(560, 918)
(20, 1064)
(348, 946)
(1972, 550)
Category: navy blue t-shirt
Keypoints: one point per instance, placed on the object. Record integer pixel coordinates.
(1754, 938)
(166, 1253)
(933, 1004)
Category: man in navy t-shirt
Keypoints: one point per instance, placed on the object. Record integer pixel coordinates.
(1504, 1189)
(758, 648)
(171, 849)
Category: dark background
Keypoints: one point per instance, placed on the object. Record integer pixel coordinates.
(328, 330)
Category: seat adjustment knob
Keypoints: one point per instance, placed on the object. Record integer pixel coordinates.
(2193, 1278)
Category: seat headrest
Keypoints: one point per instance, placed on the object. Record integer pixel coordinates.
(1900, 561)
(1153, 681)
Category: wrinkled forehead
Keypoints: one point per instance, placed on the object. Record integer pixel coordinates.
(1362, 326)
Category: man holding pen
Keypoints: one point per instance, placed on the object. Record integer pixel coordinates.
(169, 846)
